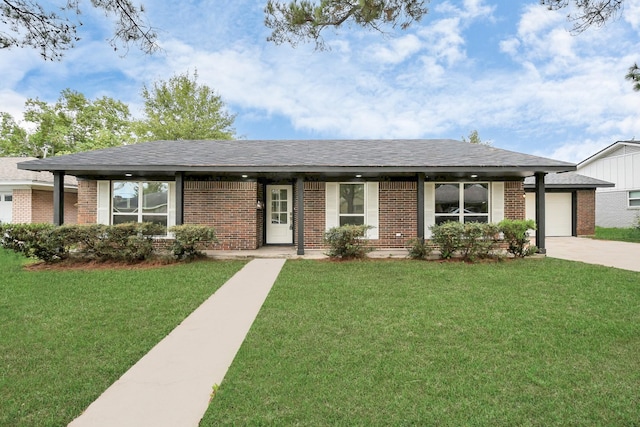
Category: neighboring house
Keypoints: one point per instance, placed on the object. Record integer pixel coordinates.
(290, 192)
(618, 206)
(569, 201)
(27, 196)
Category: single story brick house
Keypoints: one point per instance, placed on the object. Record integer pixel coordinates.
(290, 192)
(570, 201)
(27, 196)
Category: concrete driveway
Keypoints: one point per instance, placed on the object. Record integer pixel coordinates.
(602, 252)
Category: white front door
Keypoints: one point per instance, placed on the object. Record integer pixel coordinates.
(6, 207)
(279, 214)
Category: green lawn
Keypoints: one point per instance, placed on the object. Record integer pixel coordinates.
(534, 342)
(67, 336)
(622, 234)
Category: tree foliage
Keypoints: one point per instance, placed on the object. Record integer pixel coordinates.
(587, 13)
(52, 29)
(74, 123)
(182, 109)
(296, 21)
(474, 138)
(634, 76)
(12, 136)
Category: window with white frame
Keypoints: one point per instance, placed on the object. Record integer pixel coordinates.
(139, 201)
(463, 202)
(634, 199)
(352, 204)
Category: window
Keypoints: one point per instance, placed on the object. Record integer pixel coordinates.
(464, 202)
(634, 199)
(351, 204)
(140, 202)
(8, 197)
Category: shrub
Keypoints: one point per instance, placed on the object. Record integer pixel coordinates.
(188, 238)
(347, 241)
(636, 222)
(478, 240)
(516, 235)
(128, 242)
(43, 241)
(448, 237)
(418, 248)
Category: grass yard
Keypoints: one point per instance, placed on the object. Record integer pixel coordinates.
(386, 343)
(622, 234)
(67, 335)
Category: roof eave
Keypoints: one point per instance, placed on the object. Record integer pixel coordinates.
(523, 170)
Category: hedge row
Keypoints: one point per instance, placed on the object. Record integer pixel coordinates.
(128, 242)
(471, 241)
(475, 240)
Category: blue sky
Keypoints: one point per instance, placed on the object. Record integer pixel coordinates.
(509, 69)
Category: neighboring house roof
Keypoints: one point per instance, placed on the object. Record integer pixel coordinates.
(431, 156)
(567, 180)
(11, 175)
(634, 145)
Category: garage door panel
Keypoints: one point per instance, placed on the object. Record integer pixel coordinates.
(558, 213)
(6, 203)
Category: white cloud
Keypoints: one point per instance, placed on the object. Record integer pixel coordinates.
(397, 50)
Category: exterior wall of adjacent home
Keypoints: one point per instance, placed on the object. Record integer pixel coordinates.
(622, 167)
(36, 206)
(230, 207)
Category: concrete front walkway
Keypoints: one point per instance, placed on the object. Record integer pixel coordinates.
(622, 255)
(172, 384)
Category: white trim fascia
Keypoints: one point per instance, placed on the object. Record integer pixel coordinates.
(603, 153)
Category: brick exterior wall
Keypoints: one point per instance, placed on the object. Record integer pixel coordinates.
(36, 206)
(314, 217)
(229, 207)
(87, 202)
(398, 213)
(586, 212)
(514, 200)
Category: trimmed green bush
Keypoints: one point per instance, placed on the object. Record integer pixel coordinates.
(516, 235)
(418, 248)
(123, 242)
(448, 237)
(43, 241)
(347, 241)
(188, 238)
(478, 240)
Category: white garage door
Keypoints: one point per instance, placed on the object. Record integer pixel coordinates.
(6, 203)
(558, 213)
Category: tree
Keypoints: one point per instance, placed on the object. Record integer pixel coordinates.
(474, 138)
(26, 23)
(587, 13)
(634, 76)
(72, 124)
(180, 108)
(292, 22)
(12, 136)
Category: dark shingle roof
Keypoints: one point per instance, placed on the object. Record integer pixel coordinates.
(300, 156)
(568, 180)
